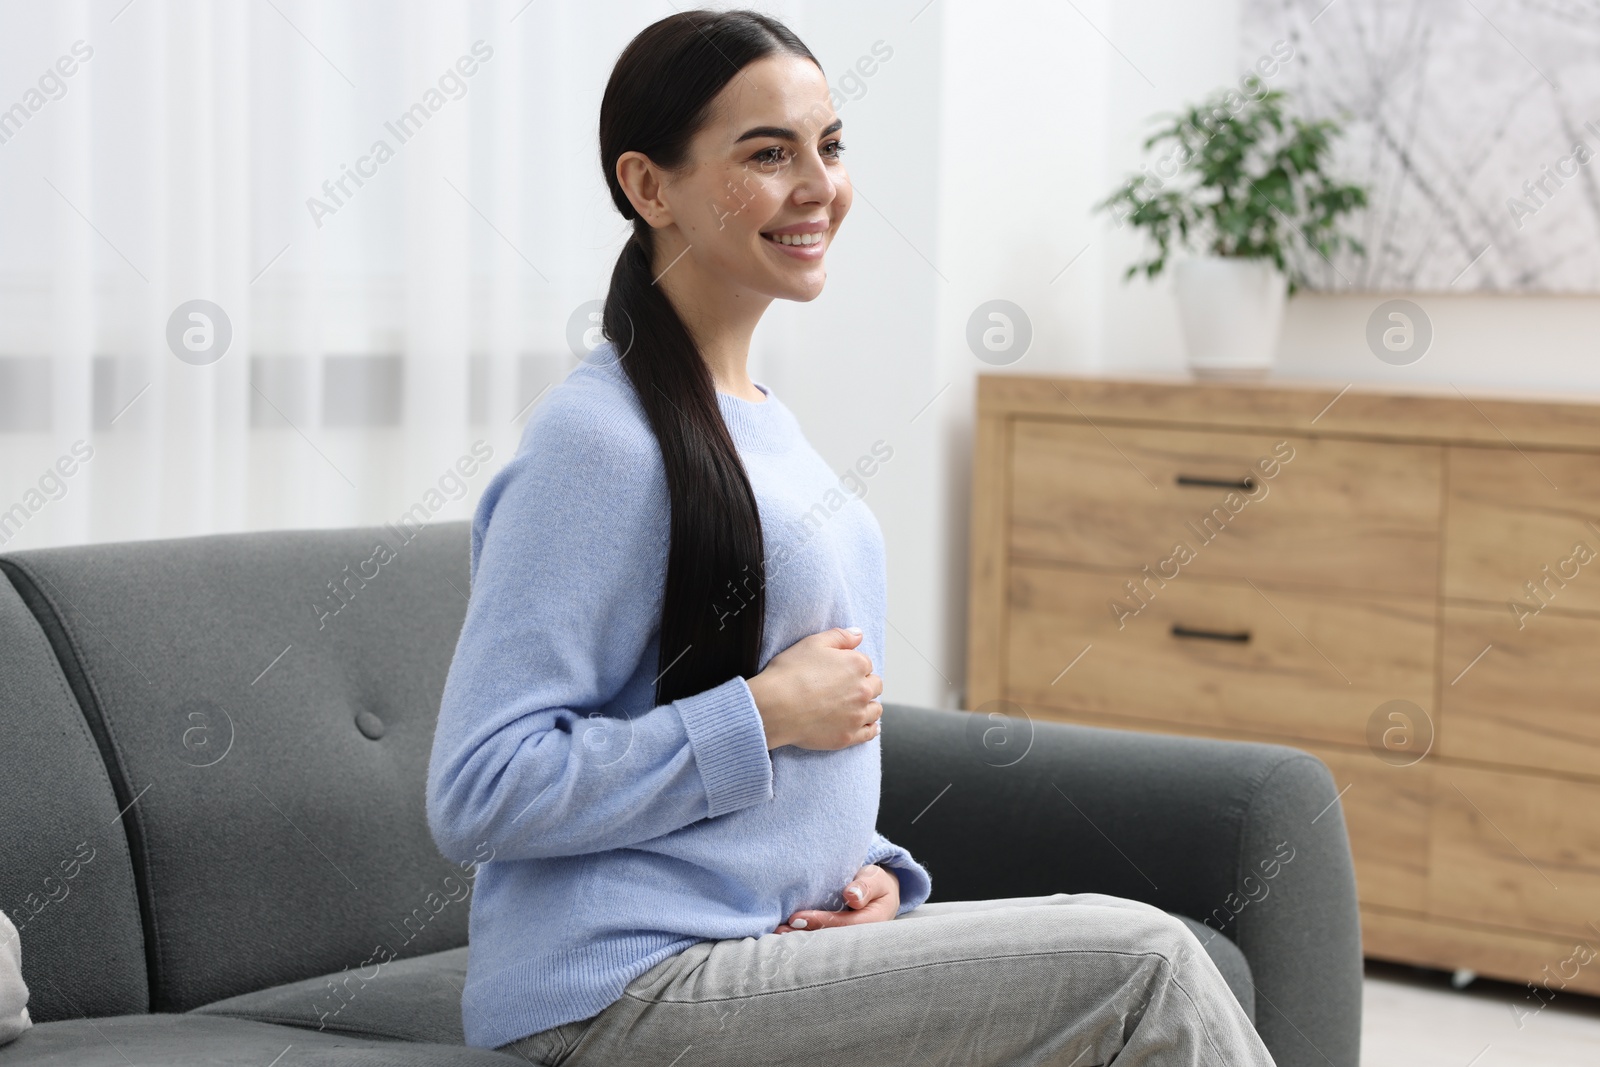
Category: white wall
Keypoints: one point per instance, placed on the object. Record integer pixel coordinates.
(978, 143)
(1022, 125)
(858, 364)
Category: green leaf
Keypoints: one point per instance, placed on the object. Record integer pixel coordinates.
(1253, 185)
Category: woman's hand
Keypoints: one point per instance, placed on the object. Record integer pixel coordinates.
(873, 896)
(819, 693)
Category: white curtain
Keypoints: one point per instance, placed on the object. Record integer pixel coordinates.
(382, 321)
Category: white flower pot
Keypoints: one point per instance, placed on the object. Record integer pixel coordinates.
(1231, 311)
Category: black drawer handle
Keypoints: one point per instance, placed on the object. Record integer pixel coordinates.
(1179, 630)
(1246, 484)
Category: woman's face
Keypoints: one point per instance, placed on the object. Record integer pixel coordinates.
(765, 190)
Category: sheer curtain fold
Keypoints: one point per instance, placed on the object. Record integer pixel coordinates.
(68, 328)
(387, 308)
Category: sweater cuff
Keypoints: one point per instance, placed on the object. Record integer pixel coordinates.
(916, 884)
(13, 990)
(730, 745)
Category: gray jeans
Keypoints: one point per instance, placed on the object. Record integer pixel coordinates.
(1068, 980)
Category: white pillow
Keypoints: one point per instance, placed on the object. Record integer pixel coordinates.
(13, 992)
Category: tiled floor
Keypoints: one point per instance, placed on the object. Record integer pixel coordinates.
(1413, 1018)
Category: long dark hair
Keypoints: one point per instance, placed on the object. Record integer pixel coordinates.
(658, 97)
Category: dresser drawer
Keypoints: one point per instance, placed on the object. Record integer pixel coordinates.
(1340, 514)
(1517, 850)
(1314, 666)
(1522, 691)
(1514, 518)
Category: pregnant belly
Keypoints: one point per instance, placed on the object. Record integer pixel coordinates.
(798, 850)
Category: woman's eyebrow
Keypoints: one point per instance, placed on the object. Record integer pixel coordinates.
(784, 132)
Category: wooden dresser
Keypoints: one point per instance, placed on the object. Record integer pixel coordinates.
(1406, 584)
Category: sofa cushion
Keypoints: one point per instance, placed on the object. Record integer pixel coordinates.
(417, 999)
(190, 1040)
(66, 882)
(270, 699)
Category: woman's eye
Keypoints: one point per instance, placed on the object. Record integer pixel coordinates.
(775, 154)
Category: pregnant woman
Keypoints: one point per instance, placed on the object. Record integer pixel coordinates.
(660, 730)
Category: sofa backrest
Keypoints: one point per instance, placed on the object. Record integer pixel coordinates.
(66, 881)
(264, 706)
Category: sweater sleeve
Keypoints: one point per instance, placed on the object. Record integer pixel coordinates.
(916, 885)
(568, 566)
(13, 990)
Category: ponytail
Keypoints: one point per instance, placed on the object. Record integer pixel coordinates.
(707, 635)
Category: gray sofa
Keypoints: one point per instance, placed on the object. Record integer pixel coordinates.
(215, 846)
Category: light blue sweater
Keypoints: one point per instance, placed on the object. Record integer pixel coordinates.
(616, 832)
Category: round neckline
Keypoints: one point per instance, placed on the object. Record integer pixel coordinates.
(759, 426)
(765, 393)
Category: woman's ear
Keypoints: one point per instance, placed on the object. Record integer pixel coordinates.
(643, 183)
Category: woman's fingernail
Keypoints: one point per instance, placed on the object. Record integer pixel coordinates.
(853, 629)
(799, 924)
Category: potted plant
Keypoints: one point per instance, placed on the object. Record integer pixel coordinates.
(1242, 187)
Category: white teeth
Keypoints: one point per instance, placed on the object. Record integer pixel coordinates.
(797, 238)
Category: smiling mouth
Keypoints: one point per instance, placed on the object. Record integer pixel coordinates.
(796, 240)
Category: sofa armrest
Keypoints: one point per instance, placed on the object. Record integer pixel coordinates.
(1008, 808)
